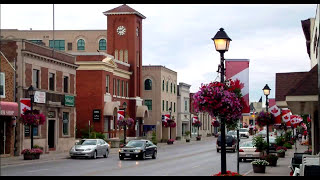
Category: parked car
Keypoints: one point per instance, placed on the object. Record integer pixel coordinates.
(244, 132)
(248, 151)
(90, 148)
(231, 143)
(272, 144)
(233, 134)
(138, 149)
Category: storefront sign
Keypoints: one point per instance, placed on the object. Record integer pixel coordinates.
(68, 100)
(8, 108)
(40, 97)
(26, 131)
(96, 115)
(51, 114)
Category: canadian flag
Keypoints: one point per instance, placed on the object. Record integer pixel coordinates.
(165, 117)
(295, 120)
(120, 114)
(194, 119)
(25, 104)
(275, 111)
(286, 113)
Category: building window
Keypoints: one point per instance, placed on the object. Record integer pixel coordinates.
(107, 83)
(122, 88)
(39, 42)
(2, 85)
(166, 105)
(51, 81)
(167, 86)
(27, 130)
(118, 87)
(162, 105)
(114, 86)
(171, 88)
(102, 44)
(127, 89)
(69, 46)
(35, 78)
(185, 105)
(174, 88)
(121, 55)
(163, 85)
(57, 44)
(147, 84)
(174, 107)
(126, 56)
(148, 103)
(66, 84)
(80, 44)
(171, 105)
(116, 54)
(65, 124)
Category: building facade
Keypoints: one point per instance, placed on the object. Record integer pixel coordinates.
(63, 40)
(52, 73)
(8, 107)
(183, 108)
(108, 81)
(160, 94)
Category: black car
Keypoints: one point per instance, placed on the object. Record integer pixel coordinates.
(138, 149)
(231, 143)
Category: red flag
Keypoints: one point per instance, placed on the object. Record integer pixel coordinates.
(308, 118)
(286, 113)
(275, 111)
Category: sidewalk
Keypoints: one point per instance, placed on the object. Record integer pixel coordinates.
(18, 160)
(282, 168)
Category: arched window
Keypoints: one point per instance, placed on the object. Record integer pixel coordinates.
(167, 86)
(171, 88)
(163, 85)
(116, 54)
(80, 44)
(126, 56)
(102, 44)
(174, 88)
(147, 84)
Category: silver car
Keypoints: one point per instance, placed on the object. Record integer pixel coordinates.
(90, 148)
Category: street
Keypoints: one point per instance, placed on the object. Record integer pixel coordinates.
(196, 159)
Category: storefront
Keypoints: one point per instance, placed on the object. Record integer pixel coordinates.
(8, 115)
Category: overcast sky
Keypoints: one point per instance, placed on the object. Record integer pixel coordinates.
(179, 36)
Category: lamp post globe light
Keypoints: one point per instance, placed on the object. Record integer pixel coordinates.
(221, 42)
(31, 91)
(266, 92)
(124, 106)
(170, 110)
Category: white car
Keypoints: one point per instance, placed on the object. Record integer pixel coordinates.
(248, 151)
(244, 132)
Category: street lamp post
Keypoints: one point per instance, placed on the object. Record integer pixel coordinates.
(31, 91)
(266, 91)
(124, 105)
(221, 42)
(170, 110)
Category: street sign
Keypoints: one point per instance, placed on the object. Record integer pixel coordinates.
(68, 100)
(40, 97)
(96, 115)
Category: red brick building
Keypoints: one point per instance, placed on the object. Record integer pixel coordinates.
(106, 81)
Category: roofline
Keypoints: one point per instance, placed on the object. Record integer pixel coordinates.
(238, 60)
(124, 13)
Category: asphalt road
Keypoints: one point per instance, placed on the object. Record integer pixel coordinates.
(199, 159)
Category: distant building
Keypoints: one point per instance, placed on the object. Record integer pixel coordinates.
(184, 117)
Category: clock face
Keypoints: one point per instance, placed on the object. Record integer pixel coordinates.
(121, 30)
(137, 32)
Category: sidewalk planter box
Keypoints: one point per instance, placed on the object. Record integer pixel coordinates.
(198, 138)
(28, 156)
(37, 156)
(259, 168)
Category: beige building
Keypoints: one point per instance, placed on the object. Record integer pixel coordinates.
(183, 108)
(64, 40)
(159, 93)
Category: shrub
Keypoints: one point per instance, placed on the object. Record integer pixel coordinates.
(259, 143)
(280, 140)
(37, 146)
(287, 145)
(154, 138)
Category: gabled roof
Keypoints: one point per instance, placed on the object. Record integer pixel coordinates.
(123, 9)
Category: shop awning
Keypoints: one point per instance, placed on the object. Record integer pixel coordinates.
(9, 108)
(110, 109)
(142, 112)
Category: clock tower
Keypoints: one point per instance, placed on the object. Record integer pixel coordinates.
(124, 42)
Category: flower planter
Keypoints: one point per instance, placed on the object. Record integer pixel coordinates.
(37, 156)
(282, 155)
(259, 168)
(28, 156)
(198, 138)
(169, 142)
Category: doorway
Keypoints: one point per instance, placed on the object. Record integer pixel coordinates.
(51, 133)
(3, 136)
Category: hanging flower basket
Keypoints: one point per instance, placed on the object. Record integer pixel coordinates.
(218, 99)
(32, 118)
(197, 123)
(265, 118)
(215, 123)
(169, 123)
(125, 122)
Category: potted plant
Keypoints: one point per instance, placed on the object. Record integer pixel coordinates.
(281, 153)
(272, 159)
(259, 166)
(170, 141)
(228, 173)
(36, 152)
(27, 154)
(260, 144)
(187, 136)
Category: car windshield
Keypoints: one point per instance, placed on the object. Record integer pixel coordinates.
(87, 142)
(246, 144)
(135, 143)
(243, 130)
(228, 138)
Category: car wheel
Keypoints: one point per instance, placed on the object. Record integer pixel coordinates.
(73, 157)
(217, 150)
(94, 155)
(154, 156)
(240, 160)
(121, 158)
(143, 156)
(234, 150)
(107, 153)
